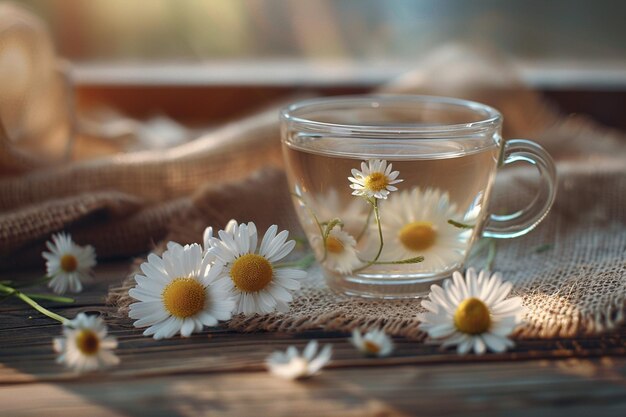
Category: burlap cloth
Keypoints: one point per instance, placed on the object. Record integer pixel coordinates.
(126, 204)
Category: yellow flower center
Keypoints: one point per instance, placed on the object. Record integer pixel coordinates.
(184, 297)
(334, 245)
(69, 263)
(376, 181)
(418, 236)
(87, 342)
(472, 316)
(371, 347)
(251, 272)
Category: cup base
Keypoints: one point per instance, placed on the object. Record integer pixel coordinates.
(387, 288)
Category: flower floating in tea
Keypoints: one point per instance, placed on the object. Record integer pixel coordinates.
(85, 345)
(341, 254)
(252, 275)
(472, 313)
(68, 264)
(293, 365)
(372, 343)
(415, 222)
(177, 293)
(374, 180)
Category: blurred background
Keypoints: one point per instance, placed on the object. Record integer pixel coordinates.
(156, 31)
(202, 62)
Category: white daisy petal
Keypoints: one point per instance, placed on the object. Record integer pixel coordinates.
(84, 345)
(471, 313)
(248, 273)
(292, 365)
(178, 291)
(68, 264)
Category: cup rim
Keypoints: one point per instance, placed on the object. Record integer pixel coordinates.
(492, 117)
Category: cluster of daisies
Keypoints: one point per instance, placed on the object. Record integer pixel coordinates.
(414, 227)
(237, 271)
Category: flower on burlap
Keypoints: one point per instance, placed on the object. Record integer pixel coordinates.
(85, 345)
(252, 275)
(177, 293)
(472, 313)
(68, 264)
(374, 180)
(293, 365)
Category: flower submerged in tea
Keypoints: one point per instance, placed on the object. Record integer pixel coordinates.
(415, 222)
(341, 254)
(374, 180)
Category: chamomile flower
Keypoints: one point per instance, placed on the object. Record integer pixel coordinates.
(251, 275)
(472, 313)
(341, 254)
(207, 236)
(176, 293)
(373, 343)
(415, 223)
(293, 365)
(85, 345)
(68, 264)
(374, 180)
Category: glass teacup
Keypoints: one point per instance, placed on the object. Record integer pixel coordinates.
(392, 190)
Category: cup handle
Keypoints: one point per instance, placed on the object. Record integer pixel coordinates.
(523, 221)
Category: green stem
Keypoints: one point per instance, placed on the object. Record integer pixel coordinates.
(47, 297)
(460, 225)
(414, 260)
(380, 236)
(33, 304)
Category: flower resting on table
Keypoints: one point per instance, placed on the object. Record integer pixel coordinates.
(252, 276)
(68, 264)
(472, 313)
(293, 365)
(372, 343)
(176, 293)
(374, 180)
(85, 345)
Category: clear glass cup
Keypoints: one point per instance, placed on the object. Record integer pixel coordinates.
(392, 191)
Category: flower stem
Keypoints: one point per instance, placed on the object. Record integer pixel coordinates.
(55, 298)
(414, 260)
(460, 225)
(33, 303)
(380, 236)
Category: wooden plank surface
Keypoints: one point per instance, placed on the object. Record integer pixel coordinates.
(220, 372)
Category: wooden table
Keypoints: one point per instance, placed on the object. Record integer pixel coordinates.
(221, 373)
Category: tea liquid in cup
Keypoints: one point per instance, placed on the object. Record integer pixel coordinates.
(392, 191)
